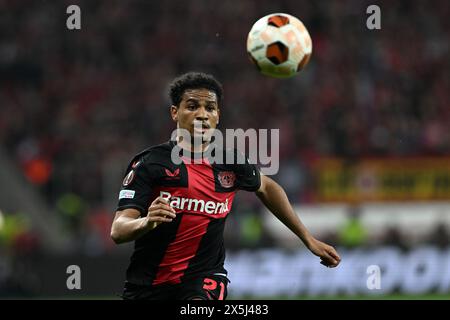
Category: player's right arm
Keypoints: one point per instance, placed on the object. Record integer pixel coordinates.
(128, 225)
(134, 215)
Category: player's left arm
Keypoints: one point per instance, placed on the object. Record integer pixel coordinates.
(275, 199)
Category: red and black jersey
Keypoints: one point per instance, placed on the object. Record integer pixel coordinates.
(201, 192)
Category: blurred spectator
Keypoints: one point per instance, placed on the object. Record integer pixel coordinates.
(16, 233)
(97, 238)
(393, 237)
(19, 246)
(72, 209)
(251, 230)
(440, 236)
(353, 233)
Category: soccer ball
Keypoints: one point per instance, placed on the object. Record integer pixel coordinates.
(279, 45)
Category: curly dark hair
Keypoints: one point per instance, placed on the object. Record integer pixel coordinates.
(194, 80)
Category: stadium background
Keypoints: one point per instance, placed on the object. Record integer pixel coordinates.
(365, 144)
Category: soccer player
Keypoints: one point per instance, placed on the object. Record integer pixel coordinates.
(176, 213)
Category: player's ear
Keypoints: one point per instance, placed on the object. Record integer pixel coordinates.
(174, 113)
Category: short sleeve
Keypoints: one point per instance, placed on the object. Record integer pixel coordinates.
(136, 188)
(248, 175)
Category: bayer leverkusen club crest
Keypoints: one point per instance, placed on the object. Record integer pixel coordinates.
(226, 179)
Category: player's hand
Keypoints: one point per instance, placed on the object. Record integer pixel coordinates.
(159, 211)
(328, 255)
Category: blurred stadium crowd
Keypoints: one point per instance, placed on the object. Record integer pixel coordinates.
(76, 105)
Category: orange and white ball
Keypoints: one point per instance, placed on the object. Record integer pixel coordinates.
(279, 45)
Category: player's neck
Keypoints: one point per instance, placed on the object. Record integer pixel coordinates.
(192, 147)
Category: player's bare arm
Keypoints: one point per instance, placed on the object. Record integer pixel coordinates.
(129, 226)
(275, 199)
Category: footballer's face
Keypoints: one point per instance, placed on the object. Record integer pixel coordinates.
(198, 112)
